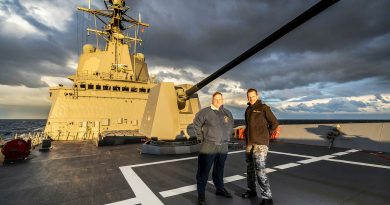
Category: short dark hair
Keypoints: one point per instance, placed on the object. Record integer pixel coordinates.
(251, 90)
(217, 93)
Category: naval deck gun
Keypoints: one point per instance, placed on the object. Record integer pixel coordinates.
(170, 109)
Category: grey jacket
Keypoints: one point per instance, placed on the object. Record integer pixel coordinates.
(214, 126)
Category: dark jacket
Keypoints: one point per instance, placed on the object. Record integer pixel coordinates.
(215, 126)
(260, 123)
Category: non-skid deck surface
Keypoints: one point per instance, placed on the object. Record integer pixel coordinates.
(80, 173)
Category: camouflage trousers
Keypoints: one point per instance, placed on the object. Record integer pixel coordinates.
(256, 156)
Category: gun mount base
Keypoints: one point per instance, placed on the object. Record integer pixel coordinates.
(170, 147)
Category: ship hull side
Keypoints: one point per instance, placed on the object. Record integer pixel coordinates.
(87, 114)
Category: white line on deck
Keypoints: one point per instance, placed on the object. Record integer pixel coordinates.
(181, 190)
(140, 189)
(341, 153)
(315, 159)
(290, 154)
(229, 179)
(359, 163)
(161, 162)
(269, 170)
(190, 188)
(286, 166)
(127, 201)
(173, 160)
(353, 150)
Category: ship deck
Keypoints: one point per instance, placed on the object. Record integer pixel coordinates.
(80, 173)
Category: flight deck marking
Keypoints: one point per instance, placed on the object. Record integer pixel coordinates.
(229, 179)
(291, 154)
(180, 190)
(186, 189)
(140, 189)
(190, 188)
(269, 170)
(359, 163)
(340, 153)
(127, 201)
(315, 159)
(286, 166)
(145, 196)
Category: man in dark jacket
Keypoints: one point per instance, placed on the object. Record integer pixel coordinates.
(260, 123)
(213, 126)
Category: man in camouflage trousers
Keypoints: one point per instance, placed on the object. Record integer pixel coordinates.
(260, 123)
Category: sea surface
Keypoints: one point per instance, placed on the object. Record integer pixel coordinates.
(8, 128)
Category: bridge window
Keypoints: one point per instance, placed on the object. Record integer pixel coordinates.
(106, 87)
(82, 86)
(90, 86)
(142, 90)
(134, 89)
(125, 89)
(98, 87)
(116, 88)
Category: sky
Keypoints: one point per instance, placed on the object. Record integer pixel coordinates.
(335, 66)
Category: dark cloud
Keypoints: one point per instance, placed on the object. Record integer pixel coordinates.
(333, 106)
(47, 53)
(24, 62)
(381, 98)
(181, 74)
(367, 86)
(336, 46)
(344, 51)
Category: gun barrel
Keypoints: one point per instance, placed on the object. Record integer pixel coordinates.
(299, 20)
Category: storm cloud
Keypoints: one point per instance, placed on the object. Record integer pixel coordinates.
(341, 53)
(348, 42)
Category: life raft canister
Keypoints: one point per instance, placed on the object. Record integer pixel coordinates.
(16, 149)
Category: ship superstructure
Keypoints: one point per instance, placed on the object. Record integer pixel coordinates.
(110, 87)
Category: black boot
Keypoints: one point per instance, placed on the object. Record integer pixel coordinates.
(267, 202)
(249, 193)
(223, 192)
(201, 200)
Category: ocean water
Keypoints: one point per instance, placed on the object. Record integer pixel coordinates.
(8, 128)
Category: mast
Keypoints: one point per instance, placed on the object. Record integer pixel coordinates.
(117, 17)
